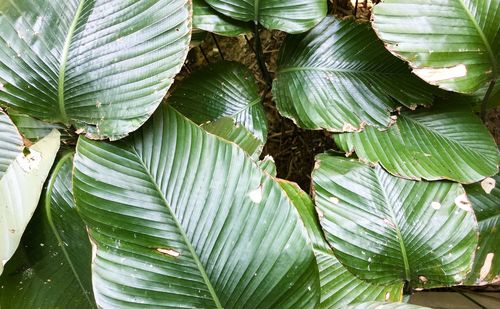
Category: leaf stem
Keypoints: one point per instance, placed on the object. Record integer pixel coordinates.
(484, 104)
(259, 53)
(218, 47)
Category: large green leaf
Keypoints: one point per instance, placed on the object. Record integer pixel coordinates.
(224, 89)
(208, 19)
(51, 267)
(387, 229)
(450, 43)
(292, 16)
(340, 77)
(485, 198)
(339, 287)
(181, 218)
(20, 189)
(445, 142)
(102, 66)
(11, 143)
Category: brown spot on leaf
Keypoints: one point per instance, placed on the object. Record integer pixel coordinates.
(169, 252)
(463, 202)
(488, 184)
(485, 269)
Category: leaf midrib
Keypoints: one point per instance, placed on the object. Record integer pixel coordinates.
(183, 234)
(398, 230)
(457, 143)
(48, 205)
(333, 71)
(64, 61)
(486, 43)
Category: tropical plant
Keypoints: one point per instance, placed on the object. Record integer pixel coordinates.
(120, 191)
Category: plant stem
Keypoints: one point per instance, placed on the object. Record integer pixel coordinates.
(259, 53)
(218, 47)
(484, 104)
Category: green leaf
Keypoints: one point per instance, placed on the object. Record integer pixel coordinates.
(387, 230)
(485, 199)
(181, 218)
(197, 37)
(268, 165)
(34, 129)
(11, 141)
(208, 19)
(450, 43)
(224, 89)
(384, 305)
(227, 129)
(339, 287)
(102, 66)
(20, 189)
(51, 267)
(292, 16)
(340, 77)
(445, 142)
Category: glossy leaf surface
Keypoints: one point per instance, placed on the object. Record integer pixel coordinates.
(102, 66)
(340, 77)
(224, 89)
(208, 19)
(181, 218)
(485, 199)
(451, 43)
(51, 267)
(445, 142)
(292, 16)
(339, 287)
(387, 230)
(20, 189)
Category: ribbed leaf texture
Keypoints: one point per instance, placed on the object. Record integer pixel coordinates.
(20, 190)
(224, 89)
(292, 16)
(102, 66)
(208, 19)
(339, 287)
(340, 77)
(451, 43)
(445, 142)
(181, 218)
(388, 230)
(485, 198)
(11, 143)
(51, 268)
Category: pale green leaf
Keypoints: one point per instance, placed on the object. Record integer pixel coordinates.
(51, 267)
(20, 190)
